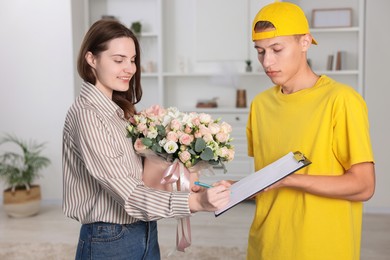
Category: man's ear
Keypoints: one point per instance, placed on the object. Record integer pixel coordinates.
(90, 58)
(306, 41)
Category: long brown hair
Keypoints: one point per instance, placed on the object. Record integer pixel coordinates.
(96, 41)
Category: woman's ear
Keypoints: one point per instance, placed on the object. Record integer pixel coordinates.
(90, 58)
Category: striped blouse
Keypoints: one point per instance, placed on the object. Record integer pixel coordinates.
(102, 175)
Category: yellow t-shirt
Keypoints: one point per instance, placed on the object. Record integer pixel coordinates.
(329, 124)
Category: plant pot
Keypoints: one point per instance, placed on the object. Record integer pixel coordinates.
(22, 202)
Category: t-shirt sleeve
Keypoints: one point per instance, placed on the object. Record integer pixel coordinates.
(351, 142)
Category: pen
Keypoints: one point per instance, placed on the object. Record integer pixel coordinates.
(201, 184)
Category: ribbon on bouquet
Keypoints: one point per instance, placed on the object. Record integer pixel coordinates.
(179, 176)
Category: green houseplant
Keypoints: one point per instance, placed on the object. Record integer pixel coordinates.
(248, 67)
(21, 198)
(136, 27)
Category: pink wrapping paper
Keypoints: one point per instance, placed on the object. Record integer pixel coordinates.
(161, 175)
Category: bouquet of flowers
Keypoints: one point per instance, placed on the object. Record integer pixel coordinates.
(184, 144)
(191, 138)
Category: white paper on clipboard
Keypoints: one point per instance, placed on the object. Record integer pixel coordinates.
(263, 178)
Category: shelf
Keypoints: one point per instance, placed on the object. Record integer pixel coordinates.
(334, 30)
(210, 74)
(232, 110)
(257, 74)
(149, 75)
(147, 35)
(196, 74)
(252, 74)
(337, 72)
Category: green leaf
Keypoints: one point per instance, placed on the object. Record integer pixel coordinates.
(213, 162)
(191, 151)
(22, 168)
(200, 145)
(156, 148)
(147, 142)
(224, 167)
(207, 154)
(160, 130)
(195, 161)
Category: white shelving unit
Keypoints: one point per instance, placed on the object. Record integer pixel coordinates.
(149, 13)
(347, 39)
(182, 75)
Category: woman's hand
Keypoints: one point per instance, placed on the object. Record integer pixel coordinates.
(210, 199)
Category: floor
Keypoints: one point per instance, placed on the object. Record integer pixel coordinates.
(228, 230)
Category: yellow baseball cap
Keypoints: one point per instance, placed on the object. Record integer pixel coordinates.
(288, 19)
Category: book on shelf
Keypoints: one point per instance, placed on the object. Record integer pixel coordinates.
(329, 64)
(336, 61)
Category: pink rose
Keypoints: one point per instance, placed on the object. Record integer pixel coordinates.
(226, 128)
(155, 110)
(196, 121)
(223, 152)
(204, 118)
(208, 138)
(230, 155)
(204, 130)
(139, 146)
(214, 128)
(184, 156)
(172, 136)
(186, 139)
(141, 127)
(175, 124)
(221, 137)
(198, 134)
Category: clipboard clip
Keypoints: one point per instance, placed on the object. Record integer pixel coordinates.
(299, 156)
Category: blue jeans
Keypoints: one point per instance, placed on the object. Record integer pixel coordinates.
(116, 242)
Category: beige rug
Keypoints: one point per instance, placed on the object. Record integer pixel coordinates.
(47, 251)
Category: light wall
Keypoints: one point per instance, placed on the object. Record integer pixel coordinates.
(37, 82)
(37, 78)
(377, 93)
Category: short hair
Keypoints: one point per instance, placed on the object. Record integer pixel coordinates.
(261, 26)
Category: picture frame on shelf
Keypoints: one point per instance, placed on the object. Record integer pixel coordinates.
(109, 17)
(331, 18)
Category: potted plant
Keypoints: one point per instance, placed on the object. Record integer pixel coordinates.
(136, 27)
(248, 67)
(21, 198)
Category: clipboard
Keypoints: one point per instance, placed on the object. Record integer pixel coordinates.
(265, 177)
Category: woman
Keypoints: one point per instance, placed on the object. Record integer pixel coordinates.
(103, 186)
